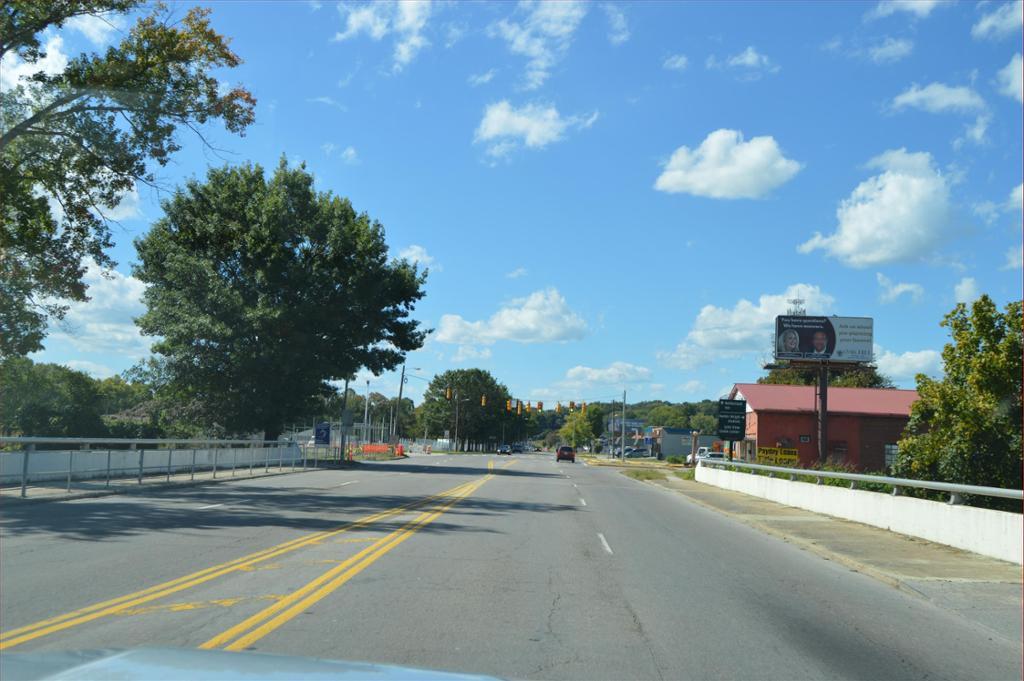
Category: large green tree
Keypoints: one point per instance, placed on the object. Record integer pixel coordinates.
(48, 400)
(82, 138)
(966, 427)
(477, 422)
(576, 430)
(261, 290)
(862, 377)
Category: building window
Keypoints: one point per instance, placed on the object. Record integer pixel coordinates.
(891, 450)
(805, 439)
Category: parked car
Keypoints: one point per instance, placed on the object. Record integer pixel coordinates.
(565, 453)
(504, 449)
(637, 453)
(704, 453)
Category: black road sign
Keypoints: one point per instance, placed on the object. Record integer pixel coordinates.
(322, 434)
(732, 419)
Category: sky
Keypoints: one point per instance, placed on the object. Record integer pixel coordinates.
(616, 196)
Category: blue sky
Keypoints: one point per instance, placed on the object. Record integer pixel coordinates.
(618, 195)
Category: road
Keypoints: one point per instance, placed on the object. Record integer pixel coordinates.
(514, 567)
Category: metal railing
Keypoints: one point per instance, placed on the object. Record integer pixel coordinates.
(955, 491)
(125, 459)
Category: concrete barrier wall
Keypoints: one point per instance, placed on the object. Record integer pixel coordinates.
(991, 533)
(92, 463)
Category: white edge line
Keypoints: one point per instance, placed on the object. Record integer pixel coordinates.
(604, 543)
(583, 502)
(203, 508)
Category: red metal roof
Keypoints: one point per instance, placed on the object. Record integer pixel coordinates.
(801, 398)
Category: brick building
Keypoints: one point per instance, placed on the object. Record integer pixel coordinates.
(864, 424)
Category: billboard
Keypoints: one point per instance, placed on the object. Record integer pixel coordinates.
(836, 339)
(776, 456)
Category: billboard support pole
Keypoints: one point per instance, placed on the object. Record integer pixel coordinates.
(823, 413)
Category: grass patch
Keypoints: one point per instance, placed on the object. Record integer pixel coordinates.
(645, 474)
(685, 475)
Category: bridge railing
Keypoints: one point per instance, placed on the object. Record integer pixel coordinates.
(106, 460)
(956, 491)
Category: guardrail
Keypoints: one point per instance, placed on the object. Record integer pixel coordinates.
(78, 459)
(954, 490)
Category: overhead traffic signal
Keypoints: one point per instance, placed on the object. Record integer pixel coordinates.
(540, 406)
(558, 407)
(483, 400)
(448, 393)
(572, 406)
(584, 408)
(508, 405)
(519, 408)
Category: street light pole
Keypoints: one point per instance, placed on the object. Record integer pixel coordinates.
(456, 420)
(622, 450)
(366, 411)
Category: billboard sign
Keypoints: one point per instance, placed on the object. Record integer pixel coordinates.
(836, 339)
(732, 419)
(778, 456)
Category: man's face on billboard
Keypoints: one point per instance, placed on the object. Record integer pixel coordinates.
(820, 341)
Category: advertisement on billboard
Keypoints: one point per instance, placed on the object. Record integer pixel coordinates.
(836, 339)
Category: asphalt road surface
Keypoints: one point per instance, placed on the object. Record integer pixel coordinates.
(517, 567)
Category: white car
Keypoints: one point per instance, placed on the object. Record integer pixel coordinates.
(704, 453)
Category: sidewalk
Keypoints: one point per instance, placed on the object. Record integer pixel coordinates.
(984, 590)
(57, 490)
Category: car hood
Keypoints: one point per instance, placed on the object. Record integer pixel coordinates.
(159, 664)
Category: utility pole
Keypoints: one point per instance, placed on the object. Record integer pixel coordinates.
(398, 407)
(456, 420)
(342, 428)
(622, 451)
(366, 412)
(823, 412)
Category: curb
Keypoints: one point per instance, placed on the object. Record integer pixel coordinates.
(139, 489)
(811, 547)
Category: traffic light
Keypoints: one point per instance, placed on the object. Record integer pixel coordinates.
(508, 405)
(540, 406)
(483, 400)
(528, 408)
(558, 407)
(519, 408)
(448, 393)
(572, 405)
(584, 408)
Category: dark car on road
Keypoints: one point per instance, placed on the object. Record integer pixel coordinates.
(517, 449)
(565, 453)
(504, 449)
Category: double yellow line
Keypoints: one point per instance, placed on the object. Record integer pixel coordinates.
(114, 606)
(247, 632)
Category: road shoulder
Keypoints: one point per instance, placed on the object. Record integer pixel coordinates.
(984, 590)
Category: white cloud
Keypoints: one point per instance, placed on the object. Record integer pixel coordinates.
(454, 33)
(418, 255)
(127, 209)
(1010, 79)
(516, 273)
(13, 69)
(1003, 22)
(890, 50)
(542, 317)
(328, 148)
(1016, 200)
(691, 387)
(99, 29)
(676, 62)
(618, 29)
(905, 366)
(891, 292)
(726, 167)
(315, 5)
(901, 214)
(94, 369)
(543, 36)
(750, 63)
(327, 101)
(481, 78)
(745, 328)
(470, 352)
(966, 290)
(919, 8)
(938, 98)
(504, 127)
(350, 155)
(615, 373)
(1014, 258)
(974, 132)
(406, 20)
(105, 323)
